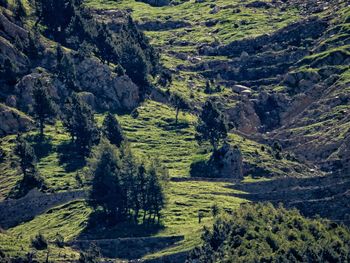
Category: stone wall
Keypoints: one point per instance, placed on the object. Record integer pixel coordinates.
(16, 211)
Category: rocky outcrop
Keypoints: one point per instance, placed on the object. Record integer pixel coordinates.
(111, 92)
(12, 121)
(244, 117)
(229, 162)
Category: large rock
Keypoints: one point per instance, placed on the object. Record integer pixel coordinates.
(228, 162)
(244, 117)
(111, 91)
(12, 121)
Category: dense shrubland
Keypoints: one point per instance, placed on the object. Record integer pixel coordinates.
(263, 233)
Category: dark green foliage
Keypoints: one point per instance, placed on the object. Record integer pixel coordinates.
(34, 48)
(112, 130)
(66, 70)
(8, 72)
(27, 163)
(121, 188)
(4, 3)
(20, 12)
(212, 125)
(165, 78)
(43, 106)
(79, 121)
(180, 103)
(92, 255)
(262, 233)
(39, 242)
(127, 47)
(59, 240)
(2, 155)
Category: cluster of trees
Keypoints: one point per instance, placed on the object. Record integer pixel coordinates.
(127, 48)
(123, 189)
(263, 233)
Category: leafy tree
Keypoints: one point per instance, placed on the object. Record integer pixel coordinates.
(43, 106)
(27, 162)
(79, 121)
(112, 130)
(180, 103)
(212, 125)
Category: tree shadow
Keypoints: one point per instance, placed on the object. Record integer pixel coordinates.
(125, 240)
(42, 145)
(70, 157)
(99, 228)
(324, 196)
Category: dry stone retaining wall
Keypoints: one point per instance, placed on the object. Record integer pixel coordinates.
(16, 211)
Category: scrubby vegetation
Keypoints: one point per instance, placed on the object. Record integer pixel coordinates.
(262, 233)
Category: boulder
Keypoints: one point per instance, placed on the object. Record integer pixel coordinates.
(13, 121)
(228, 162)
(244, 117)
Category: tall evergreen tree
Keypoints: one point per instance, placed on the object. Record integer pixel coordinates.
(212, 125)
(43, 106)
(112, 130)
(106, 191)
(79, 121)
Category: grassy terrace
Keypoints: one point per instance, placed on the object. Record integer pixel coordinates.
(180, 217)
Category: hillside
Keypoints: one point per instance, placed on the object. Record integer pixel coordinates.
(120, 89)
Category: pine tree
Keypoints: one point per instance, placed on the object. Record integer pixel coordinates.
(212, 125)
(106, 191)
(43, 106)
(112, 130)
(155, 196)
(79, 121)
(180, 103)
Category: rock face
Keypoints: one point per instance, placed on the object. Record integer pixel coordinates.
(111, 92)
(228, 162)
(244, 117)
(12, 121)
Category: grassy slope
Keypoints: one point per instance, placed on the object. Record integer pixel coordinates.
(153, 135)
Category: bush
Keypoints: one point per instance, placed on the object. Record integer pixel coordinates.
(39, 242)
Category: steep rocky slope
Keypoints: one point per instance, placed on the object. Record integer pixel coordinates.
(278, 69)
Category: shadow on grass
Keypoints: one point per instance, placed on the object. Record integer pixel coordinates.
(98, 228)
(126, 240)
(325, 196)
(42, 145)
(70, 157)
